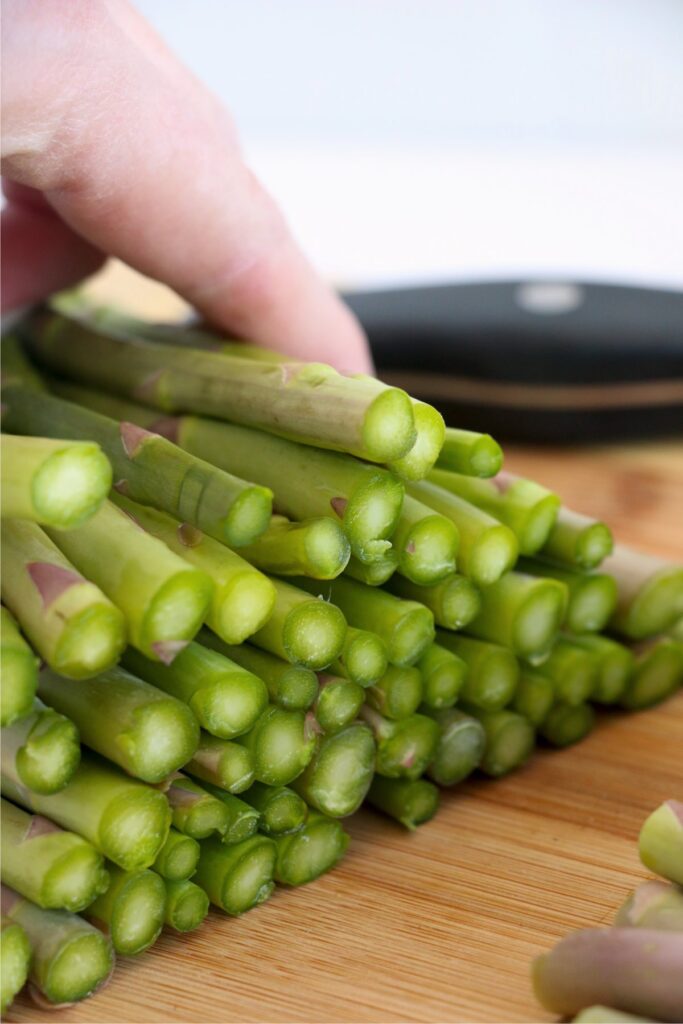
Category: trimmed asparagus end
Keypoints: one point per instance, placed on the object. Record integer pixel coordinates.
(138, 914)
(313, 634)
(658, 673)
(246, 605)
(309, 853)
(660, 843)
(229, 707)
(176, 612)
(593, 545)
(592, 604)
(370, 515)
(237, 878)
(411, 802)
(388, 430)
(538, 620)
(78, 969)
(412, 635)
(248, 516)
(654, 904)
(538, 522)
(566, 724)
(19, 676)
(71, 485)
(534, 697)
(326, 548)
(50, 755)
(282, 810)
(405, 748)
(461, 746)
(282, 744)
(90, 643)
(163, 737)
(443, 677)
(509, 741)
(398, 693)
(15, 958)
(470, 453)
(429, 551)
(338, 777)
(492, 555)
(338, 703)
(75, 880)
(134, 828)
(431, 431)
(374, 574)
(186, 905)
(178, 857)
(364, 656)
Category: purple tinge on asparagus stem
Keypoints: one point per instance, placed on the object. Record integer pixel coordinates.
(654, 904)
(52, 580)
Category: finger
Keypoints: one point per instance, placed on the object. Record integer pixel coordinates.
(141, 161)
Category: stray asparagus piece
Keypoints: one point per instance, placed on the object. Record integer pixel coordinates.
(521, 612)
(443, 677)
(470, 453)
(238, 877)
(658, 673)
(374, 574)
(69, 621)
(15, 959)
(411, 802)
(19, 671)
(124, 819)
(566, 724)
(425, 542)
(281, 810)
(660, 843)
(306, 631)
(615, 665)
(363, 658)
(309, 853)
(224, 763)
(654, 904)
(292, 687)
(578, 540)
(58, 483)
(282, 744)
(405, 748)
(338, 703)
(454, 602)
(573, 670)
(41, 750)
(57, 870)
(243, 820)
(534, 696)
(592, 597)
(186, 905)
(492, 670)
(398, 693)
(431, 431)
(70, 959)
(338, 777)
(606, 1015)
(462, 742)
(133, 724)
(195, 811)
(509, 740)
(317, 547)
(650, 593)
(132, 910)
(177, 858)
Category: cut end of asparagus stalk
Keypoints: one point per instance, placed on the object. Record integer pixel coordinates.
(411, 802)
(509, 741)
(309, 853)
(326, 548)
(237, 878)
(374, 574)
(338, 777)
(660, 843)
(248, 516)
(658, 673)
(281, 810)
(137, 915)
(134, 828)
(282, 743)
(443, 677)
(196, 812)
(363, 657)
(536, 525)
(566, 724)
(431, 431)
(654, 904)
(428, 551)
(50, 753)
(470, 453)
(398, 693)
(370, 515)
(19, 671)
(461, 746)
(186, 905)
(174, 615)
(313, 634)
(245, 604)
(338, 703)
(405, 748)
(71, 484)
(163, 736)
(388, 430)
(178, 857)
(15, 958)
(413, 633)
(492, 555)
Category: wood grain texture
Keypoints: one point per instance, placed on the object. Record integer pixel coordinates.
(442, 925)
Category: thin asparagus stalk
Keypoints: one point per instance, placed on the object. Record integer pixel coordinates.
(17, 370)
(658, 673)
(123, 818)
(660, 843)
(242, 597)
(654, 904)
(607, 1015)
(243, 820)
(431, 431)
(534, 696)
(425, 542)
(398, 693)
(57, 870)
(41, 750)
(69, 621)
(222, 762)
(177, 858)
(163, 599)
(443, 677)
(281, 810)
(302, 630)
(404, 748)
(363, 658)
(15, 959)
(462, 742)
(454, 602)
(373, 573)
(650, 593)
(573, 671)
(338, 777)
(521, 612)
(317, 547)
(196, 812)
(566, 724)
(70, 959)
(578, 540)
(592, 597)
(338, 703)
(186, 905)
(470, 453)
(509, 740)
(411, 802)
(282, 744)
(615, 665)
(487, 547)
(310, 852)
(19, 671)
(132, 910)
(238, 877)
(292, 687)
(57, 483)
(492, 670)
(140, 728)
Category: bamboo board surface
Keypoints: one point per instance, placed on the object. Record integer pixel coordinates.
(442, 925)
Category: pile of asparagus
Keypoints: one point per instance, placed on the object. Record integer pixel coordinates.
(221, 684)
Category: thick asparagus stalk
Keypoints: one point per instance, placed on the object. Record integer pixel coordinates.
(431, 431)
(373, 573)
(454, 602)
(615, 665)
(573, 671)
(650, 593)
(509, 740)
(443, 677)
(124, 819)
(487, 547)
(225, 698)
(57, 870)
(654, 904)
(425, 542)
(69, 621)
(281, 810)
(578, 540)
(660, 843)
(658, 673)
(363, 658)
(411, 802)
(242, 820)
(638, 970)
(292, 687)
(140, 728)
(398, 693)
(15, 959)
(338, 777)
(470, 453)
(310, 852)
(404, 748)
(238, 877)
(177, 858)
(132, 910)
(592, 597)
(58, 483)
(304, 630)
(163, 599)
(534, 696)
(19, 671)
(492, 670)
(317, 547)
(196, 812)
(338, 703)
(41, 750)
(186, 905)
(224, 763)
(566, 724)
(282, 744)
(461, 746)
(521, 612)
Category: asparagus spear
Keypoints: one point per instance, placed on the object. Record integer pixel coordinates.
(17, 370)
(534, 696)
(186, 905)
(242, 819)
(461, 746)
(238, 877)
(373, 573)
(566, 724)
(398, 693)
(316, 547)
(454, 602)
(521, 612)
(509, 740)
(338, 703)
(302, 630)
(431, 431)
(578, 540)
(69, 621)
(225, 698)
(282, 743)
(657, 674)
(650, 593)
(592, 597)
(310, 852)
(615, 664)
(470, 453)
(660, 843)
(196, 812)
(363, 658)
(487, 547)
(242, 597)
(338, 776)
(123, 818)
(404, 748)
(443, 676)
(425, 542)
(222, 762)
(492, 670)
(41, 750)
(654, 904)
(58, 483)
(573, 671)
(177, 858)
(140, 728)
(15, 959)
(411, 802)
(293, 687)
(132, 910)
(281, 810)
(19, 671)
(70, 959)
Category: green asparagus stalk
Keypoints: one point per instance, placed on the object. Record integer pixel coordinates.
(177, 858)
(492, 670)
(521, 612)
(373, 573)
(404, 748)
(509, 740)
(566, 724)
(292, 687)
(281, 810)
(454, 602)
(196, 812)
(615, 665)
(68, 620)
(222, 762)
(282, 744)
(133, 724)
(304, 630)
(592, 597)
(658, 673)
(123, 818)
(317, 547)
(338, 703)
(164, 600)
(654, 904)
(650, 593)
(15, 959)
(573, 671)
(57, 870)
(238, 877)
(534, 696)
(57, 483)
(660, 843)
(425, 542)
(607, 1015)
(398, 693)
(338, 776)
(132, 910)
(431, 432)
(19, 671)
(443, 677)
(309, 853)
(70, 959)
(186, 905)
(41, 750)
(411, 802)
(578, 540)
(462, 742)
(470, 453)
(17, 370)
(487, 549)
(363, 658)
(243, 820)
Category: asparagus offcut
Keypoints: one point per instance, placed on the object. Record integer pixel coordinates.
(650, 593)
(566, 724)
(177, 858)
(443, 677)
(282, 744)
(411, 802)
(578, 540)
(406, 748)
(658, 673)
(15, 959)
(660, 843)
(292, 687)
(19, 671)
(521, 612)
(237, 877)
(186, 905)
(338, 703)
(310, 852)
(398, 693)
(306, 631)
(654, 904)
(132, 910)
(281, 810)
(509, 740)
(592, 597)
(338, 776)
(224, 763)
(243, 820)
(454, 602)
(492, 670)
(534, 696)
(426, 543)
(41, 751)
(195, 811)
(363, 658)
(317, 547)
(470, 453)
(461, 746)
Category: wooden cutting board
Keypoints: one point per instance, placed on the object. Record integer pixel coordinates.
(442, 925)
